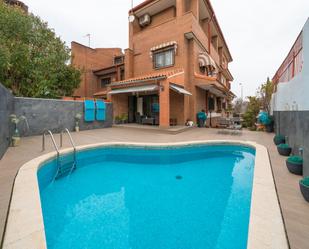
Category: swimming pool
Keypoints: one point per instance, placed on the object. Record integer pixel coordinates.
(195, 196)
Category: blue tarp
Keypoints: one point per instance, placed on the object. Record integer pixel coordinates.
(89, 109)
(101, 110)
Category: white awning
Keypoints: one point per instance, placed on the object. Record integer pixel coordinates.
(180, 90)
(135, 89)
(212, 89)
(205, 59)
(164, 45)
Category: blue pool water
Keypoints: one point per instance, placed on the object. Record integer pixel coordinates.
(189, 197)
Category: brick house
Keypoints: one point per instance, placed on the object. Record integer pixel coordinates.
(176, 65)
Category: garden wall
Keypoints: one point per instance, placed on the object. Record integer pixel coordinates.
(55, 115)
(6, 109)
(295, 125)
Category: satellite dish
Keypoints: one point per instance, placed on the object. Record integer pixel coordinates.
(131, 18)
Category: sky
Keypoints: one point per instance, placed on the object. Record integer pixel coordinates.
(259, 33)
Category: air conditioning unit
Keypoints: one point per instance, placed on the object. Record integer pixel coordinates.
(144, 20)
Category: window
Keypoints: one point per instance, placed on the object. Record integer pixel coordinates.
(203, 70)
(219, 104)
(105, 81)
(118, 60)
(208, 70)
(164, 58)
(122, 74)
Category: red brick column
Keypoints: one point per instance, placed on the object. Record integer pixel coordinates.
(164, 100)
(128, 62)
(179, 7)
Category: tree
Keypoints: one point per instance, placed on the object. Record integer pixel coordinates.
(262, 100)
(34, 62)
(253, 110)
(239, 106)
(265, 93)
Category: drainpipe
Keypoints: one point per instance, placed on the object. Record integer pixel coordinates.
(209, 36)
(209, 32)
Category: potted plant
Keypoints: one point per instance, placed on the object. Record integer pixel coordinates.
(16, 135)
(78, 117)
(284, 149)
(117, 120)
(124, 118)
(295, 165)
(270, 124)
(279, 139)
(304, 188)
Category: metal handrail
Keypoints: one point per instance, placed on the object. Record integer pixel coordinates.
(66, 130)
(70, 137)
(53, 140)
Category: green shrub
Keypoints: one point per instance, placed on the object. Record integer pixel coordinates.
(279, 137)
(252, 111)
(34, 61)
(124, 117)
(305, 181)
(283, 146)
(295, 160)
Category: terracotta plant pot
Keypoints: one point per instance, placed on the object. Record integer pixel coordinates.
(295, 165)
(284, 149)
(304, 188)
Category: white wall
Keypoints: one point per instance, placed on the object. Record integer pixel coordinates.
(294, 95)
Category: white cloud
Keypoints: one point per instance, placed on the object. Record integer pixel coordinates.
(259, 33)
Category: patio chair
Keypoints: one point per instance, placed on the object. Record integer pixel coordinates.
(223, 123)
(148, 121)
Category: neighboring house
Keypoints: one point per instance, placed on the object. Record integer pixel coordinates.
(99, 67)
(291, 79)
(176, 65)
(290, 102)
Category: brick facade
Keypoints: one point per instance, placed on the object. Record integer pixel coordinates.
(90, 60)
(189, 30)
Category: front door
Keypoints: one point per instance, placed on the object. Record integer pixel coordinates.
(132, 109)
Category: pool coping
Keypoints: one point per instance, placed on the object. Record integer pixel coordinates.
(25, 226)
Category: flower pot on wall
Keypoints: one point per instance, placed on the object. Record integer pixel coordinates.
(279, 139)
(295, 165)
(284, 149)
(304, 188)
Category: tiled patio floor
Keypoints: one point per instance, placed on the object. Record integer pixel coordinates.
(295, 210)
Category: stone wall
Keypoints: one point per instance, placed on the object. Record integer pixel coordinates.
(295, 125)
(55, 115)
(6, 108)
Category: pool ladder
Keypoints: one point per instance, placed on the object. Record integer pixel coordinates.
(64, 167)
